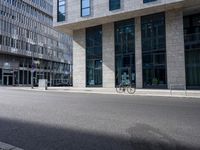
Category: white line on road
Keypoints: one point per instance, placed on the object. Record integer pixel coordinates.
(4, 146)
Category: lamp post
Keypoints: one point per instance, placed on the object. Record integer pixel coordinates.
(33, 64)
(32, 70)
(51, 72)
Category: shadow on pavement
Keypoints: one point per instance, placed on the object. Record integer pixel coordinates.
(145, 137)
(35, 136)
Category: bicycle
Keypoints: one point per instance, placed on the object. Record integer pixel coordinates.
(130, 88)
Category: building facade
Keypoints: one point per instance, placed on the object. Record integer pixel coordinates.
(30, 48)
(150, 43)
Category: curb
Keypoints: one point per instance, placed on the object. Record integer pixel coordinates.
(179, 94)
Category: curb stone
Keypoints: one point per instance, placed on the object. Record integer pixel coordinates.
(139, 92)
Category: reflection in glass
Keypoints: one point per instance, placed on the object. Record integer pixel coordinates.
(114, 4)
(94, 56)
(192, 50)
(125, 52)
(85, 8)
(154, 51)
(61, 10)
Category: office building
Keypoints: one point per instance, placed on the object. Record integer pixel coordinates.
(154, 44)
(29, 44)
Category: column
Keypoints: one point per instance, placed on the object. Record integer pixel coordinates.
(108, 56)
(138, 53)
(79, 59)
(175, 49)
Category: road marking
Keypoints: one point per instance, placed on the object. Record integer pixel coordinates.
(5, 146)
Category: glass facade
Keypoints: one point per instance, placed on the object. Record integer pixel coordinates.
(94, 56)
(154, 51)
(192, 50)
(125, 52)
(61, 10)
(26, 33)
(26, 7)
(85, 8)
(17, 71)
(114, 4)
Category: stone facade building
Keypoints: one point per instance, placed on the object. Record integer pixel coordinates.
(147, 43)
(29, 44)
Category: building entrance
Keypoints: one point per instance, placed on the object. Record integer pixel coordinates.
(7, 76)
(7, 80)
(94, 72)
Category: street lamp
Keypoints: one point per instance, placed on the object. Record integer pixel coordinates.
(33, 64)
(32, 70)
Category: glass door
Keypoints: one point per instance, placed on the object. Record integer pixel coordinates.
(94, 73)
(8, 80)
(5, 81)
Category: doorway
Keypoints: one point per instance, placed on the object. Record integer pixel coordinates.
(94, 73)
(7, 80)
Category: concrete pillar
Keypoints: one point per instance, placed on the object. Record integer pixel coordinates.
(55, 11)
(138, 53)
(175, 49)
(108, 56)
(79, 59)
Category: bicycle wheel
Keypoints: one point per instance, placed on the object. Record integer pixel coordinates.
(119, 89)
(131, 89)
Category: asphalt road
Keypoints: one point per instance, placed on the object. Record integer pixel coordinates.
(64, 121)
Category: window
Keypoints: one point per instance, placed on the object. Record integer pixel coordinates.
(114, 4)
(94, 56)
(154, 51)
(147, 1)
(192, 50)
(85, 8)
(61, 13)
(125, 52)
(13, 43)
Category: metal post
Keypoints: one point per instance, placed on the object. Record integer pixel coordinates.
(2, 77)
(170, 89)
(51, 74)
(35, 40)
(185, 88)
(32, 72)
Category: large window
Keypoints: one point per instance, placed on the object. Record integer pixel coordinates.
(94, 56)
(154, 51)
(114, 4)
(125, 52)
(192, 50)
(61, 13)
(85, 8)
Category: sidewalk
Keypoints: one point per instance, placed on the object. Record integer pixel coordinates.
(139, 92)
(4, 146)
